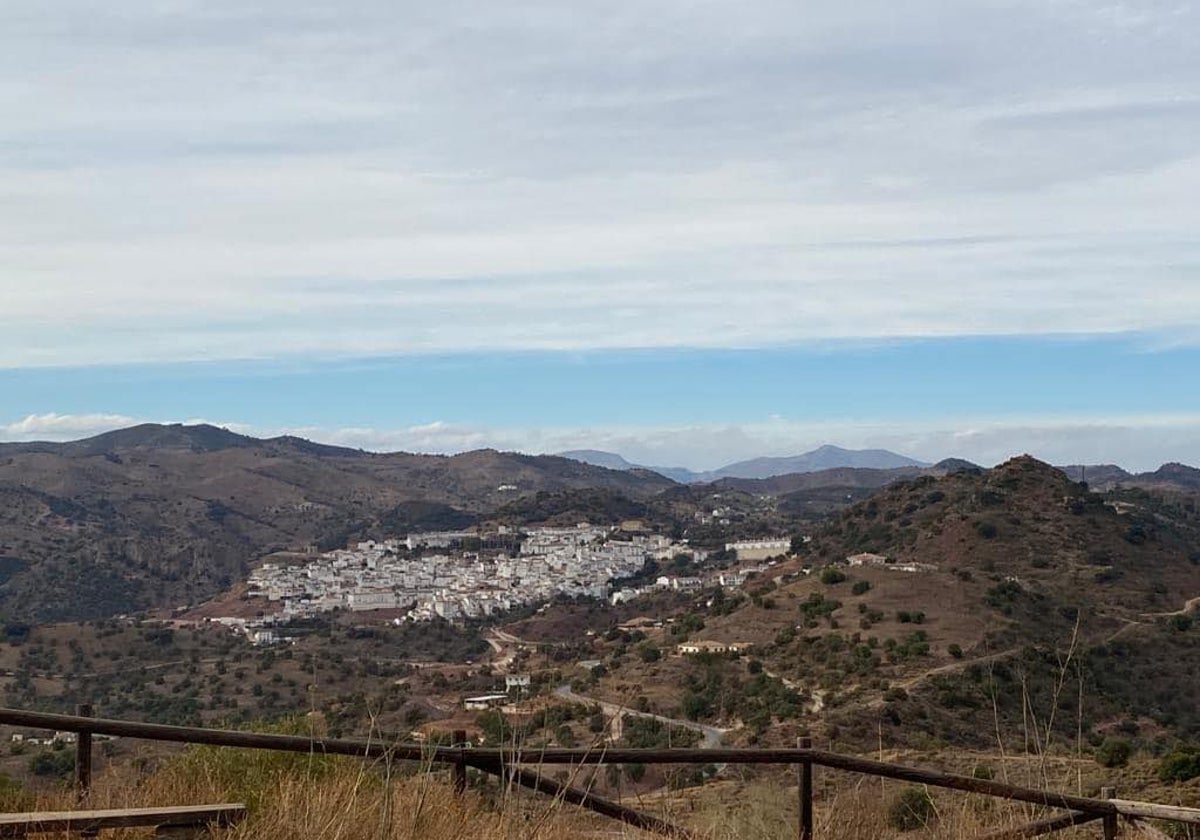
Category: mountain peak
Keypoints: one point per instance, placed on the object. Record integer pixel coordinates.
(201, 437)
(825, 457)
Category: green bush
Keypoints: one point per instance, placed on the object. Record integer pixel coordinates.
(955, 650)
(912, 809)
(1180, 766)
(1114, 752)
(860, 587)
(57, 763)
(831, 576)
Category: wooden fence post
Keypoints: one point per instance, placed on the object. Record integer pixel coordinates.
(83, 755)
(1110, 821)
(460, 764)
(806, 792)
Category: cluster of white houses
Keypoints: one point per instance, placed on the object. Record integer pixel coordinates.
(457, 584)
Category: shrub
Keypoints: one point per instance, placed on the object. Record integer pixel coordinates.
(831, 576)
(986, 530)
(1114, 752)
(860, 587)
(955, 650)
(1180, 766)
(1180, 622)
(1004, 596)
(1136, 535)
(57, 763)
(912, 809)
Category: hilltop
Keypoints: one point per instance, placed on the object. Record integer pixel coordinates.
(970, 600)
(165, 515)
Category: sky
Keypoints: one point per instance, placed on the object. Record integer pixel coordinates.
(691, 232)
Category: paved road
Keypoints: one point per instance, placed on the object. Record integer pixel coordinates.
(711, 734)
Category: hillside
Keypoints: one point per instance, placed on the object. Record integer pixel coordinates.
(839, 477)
(967, 628)
(166, 515)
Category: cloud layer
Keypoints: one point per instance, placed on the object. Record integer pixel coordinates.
(202, 180)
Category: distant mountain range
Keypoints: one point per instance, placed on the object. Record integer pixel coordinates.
(823, 458)
(829, 465)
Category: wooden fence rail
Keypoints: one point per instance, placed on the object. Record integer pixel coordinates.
(514, 764)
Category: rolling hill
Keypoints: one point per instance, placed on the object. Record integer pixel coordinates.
(166, 515)
(980, 596)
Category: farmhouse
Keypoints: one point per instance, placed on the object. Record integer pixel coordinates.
(484, 701)
(692, 648)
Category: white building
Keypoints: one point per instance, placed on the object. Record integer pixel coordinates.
(760, 549)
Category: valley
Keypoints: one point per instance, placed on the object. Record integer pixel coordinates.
(953, 608)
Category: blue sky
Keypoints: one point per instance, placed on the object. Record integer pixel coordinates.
(691, 232)
(1088, 397)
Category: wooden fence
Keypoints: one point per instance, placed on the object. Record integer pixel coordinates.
(522, 767)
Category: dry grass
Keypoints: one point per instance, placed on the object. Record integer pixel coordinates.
(766, 813)
(296, 796)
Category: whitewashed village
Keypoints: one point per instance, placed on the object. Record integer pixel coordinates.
(432, 575)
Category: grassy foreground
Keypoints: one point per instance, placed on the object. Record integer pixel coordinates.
(297, 796)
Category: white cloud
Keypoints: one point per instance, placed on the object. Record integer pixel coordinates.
(1137, 443)
(192, 180)
(63, 426)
